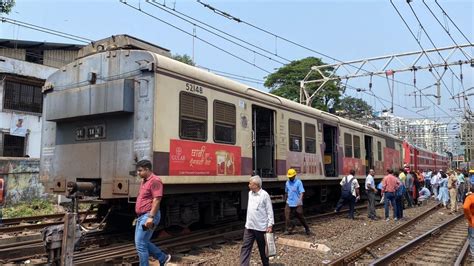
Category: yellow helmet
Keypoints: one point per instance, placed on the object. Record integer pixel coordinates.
(471, 171)
(291, 173)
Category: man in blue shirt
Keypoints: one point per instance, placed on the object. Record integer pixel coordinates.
(294, 192)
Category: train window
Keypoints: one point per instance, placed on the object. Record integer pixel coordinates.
(193, 116)
(310, 138)
(347, 145)
(224, 122)
(390, 143)
(356, 147)
(379, 150)
(296, 136)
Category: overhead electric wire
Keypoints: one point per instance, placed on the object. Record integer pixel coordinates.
(409, 29)
(231, 17)
(166, 9)
(447, 31)
(382, 99)
(446, 14)
(227, 74)
(195, 36)
(46, 30)
(39, 28)
(434, 46)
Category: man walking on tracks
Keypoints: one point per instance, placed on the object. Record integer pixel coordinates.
(370, 190)
(259, 220)
(349, 193)
(390, 185)
(294, 192)
(469, 215)
(147, 208)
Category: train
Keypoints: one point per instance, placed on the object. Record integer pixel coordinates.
(123, 100)
(424, 160)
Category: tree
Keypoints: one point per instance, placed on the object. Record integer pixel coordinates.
(184, 59)
(285, 82)
(6, 6)
(354, 109)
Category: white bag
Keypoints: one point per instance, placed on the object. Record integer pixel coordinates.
(270, 248)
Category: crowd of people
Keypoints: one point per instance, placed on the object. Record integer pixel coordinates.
(397, 188)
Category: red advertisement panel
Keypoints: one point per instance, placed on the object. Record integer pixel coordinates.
(352, 163)
(391, 159)
(198, 158)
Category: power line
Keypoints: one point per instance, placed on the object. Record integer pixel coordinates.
(46, 30)
(227, 74)
(446, 14)
(409, 29)
(231, 17)
(446, 30)
(195, 36)
(166, 9)
(434, 46)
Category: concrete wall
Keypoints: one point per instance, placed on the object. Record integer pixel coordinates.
(21, 176)
(32, 122)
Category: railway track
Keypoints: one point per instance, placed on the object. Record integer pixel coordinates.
(399, 236)
(120, 248)
(16, 228)
(439, 246)
(39, 218)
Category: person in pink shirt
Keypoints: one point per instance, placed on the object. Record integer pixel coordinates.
(390, 185)
(147, 209)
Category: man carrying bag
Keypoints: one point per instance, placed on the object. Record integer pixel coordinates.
(349, 193)
(259, 222)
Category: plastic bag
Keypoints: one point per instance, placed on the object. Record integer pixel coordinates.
(270, 248)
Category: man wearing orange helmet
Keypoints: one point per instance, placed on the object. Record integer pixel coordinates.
(294, 192)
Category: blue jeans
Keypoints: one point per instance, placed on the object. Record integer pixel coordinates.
(390, 197)
(470, 234)
(143, 244)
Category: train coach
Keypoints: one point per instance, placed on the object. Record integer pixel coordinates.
(124, 100)
(421, 159)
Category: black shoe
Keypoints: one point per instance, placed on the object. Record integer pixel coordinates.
(308, 232)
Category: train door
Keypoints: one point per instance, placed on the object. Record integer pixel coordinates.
(263, 144)
(330, 151)
(369, 154)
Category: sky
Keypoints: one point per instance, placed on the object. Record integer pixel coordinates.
(344, 30)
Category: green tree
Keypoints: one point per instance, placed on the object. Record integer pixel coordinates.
(354, 109)
(285, 82)
(6, 6)
(184, 59)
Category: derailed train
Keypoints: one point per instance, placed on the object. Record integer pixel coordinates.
(124, 100)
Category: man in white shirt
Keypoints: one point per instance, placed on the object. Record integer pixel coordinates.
(353, 195)
(259, 221)
(370, 190)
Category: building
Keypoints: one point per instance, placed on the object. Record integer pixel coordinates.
(467, 139)
(423, 133)
(24, 66)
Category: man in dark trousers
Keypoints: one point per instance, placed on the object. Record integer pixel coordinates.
(147, 208)
(259, 221)
(294, 192)
(370, 190)
(349, 193)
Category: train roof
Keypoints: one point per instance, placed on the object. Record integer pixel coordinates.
(122, 41)
(211, 78)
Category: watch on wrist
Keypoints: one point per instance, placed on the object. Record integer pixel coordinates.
(150, 216)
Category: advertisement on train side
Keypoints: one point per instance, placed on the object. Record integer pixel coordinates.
(198, 158)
